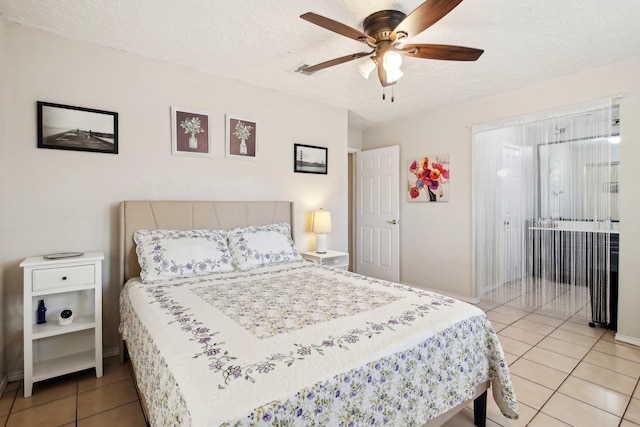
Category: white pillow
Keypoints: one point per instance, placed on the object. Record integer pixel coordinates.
(262, 245)
(164, 254)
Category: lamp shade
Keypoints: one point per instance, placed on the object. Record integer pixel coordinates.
(367, 67)
(391, 60)
(321, 222)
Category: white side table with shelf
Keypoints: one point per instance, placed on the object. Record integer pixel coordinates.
(50, 349)
(330, 258)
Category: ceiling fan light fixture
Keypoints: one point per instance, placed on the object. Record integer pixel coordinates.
(394, 75)
(385, 32)
(391, 61)
(366, 67)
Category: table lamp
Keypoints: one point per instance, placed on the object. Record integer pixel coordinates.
(321, 226)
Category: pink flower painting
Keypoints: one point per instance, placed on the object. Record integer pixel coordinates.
(429, 179)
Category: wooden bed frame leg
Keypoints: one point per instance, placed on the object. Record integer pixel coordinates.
(123, 354)
(480, 410)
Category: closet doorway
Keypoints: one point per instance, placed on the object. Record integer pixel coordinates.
(545, 218)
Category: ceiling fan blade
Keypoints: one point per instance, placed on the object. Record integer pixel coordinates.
(337, 27)
(441, 51)
(312, 69)
(425, 15)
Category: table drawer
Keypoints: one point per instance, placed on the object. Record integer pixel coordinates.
(49, 278)
(335, 261)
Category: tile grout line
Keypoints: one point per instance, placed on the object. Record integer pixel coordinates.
(15, 396)
(537, 411)
(629, 403)
(77, 403)
(581, 360)
(76, 391)
(574, 368)
(78, 418)
(557, 389)
(107, 410)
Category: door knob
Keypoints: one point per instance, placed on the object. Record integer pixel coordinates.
(393, 221)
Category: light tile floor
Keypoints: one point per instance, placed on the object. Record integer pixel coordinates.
(564, 374)
(78, 399)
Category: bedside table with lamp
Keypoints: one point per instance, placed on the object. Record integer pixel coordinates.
(321, 226)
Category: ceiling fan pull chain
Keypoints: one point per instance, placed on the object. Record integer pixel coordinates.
(383, 94)
(392, 96)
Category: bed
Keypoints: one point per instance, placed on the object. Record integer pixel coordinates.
(250, 338)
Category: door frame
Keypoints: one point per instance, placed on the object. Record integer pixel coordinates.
(506, 231)
(351, 203)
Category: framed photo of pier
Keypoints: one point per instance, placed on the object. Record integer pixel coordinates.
(310, 159)
(65, 127)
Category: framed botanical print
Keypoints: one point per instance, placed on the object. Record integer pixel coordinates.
(241, 138)
(190, 132)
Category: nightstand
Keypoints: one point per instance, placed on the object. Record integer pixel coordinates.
(331, 258)
(52, 349)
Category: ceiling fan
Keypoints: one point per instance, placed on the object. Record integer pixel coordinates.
(385, 31)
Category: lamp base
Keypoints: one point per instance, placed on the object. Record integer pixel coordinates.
(321, 243)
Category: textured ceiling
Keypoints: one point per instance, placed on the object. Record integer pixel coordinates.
(262, 41)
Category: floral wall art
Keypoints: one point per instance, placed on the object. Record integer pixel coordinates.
(242, 137)
(191, 132)
(429, 179)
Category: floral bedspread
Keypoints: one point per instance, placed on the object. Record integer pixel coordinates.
(303, 345)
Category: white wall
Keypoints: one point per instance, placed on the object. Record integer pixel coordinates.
(67, 200)
(436, 239)
(3, 205)
(355, 138)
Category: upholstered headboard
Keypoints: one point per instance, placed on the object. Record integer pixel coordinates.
(189, 215)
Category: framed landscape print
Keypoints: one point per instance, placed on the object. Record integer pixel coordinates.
(190, 132)
(241, 138)
(310, 159)
(65, 127)
(428, 179)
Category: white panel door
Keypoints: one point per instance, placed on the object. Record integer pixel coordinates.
(512, 223)
(377, 212)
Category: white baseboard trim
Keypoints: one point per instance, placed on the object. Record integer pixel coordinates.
(18, 375)
(110, 352)
(449, 294)
(15, 376)
(628, 340)
(3, 384)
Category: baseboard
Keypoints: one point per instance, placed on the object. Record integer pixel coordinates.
(3, 384)
(115, 351)
(493, 287)
(628, 340)
(15, 376)
(449, 294)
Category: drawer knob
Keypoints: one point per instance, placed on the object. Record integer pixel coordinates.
(64, 277)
